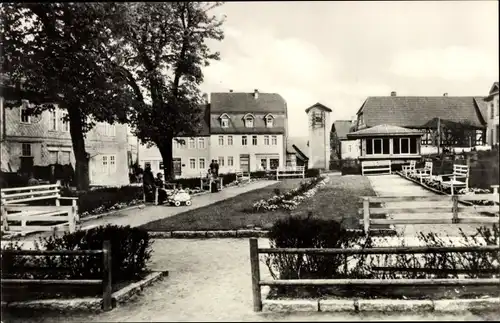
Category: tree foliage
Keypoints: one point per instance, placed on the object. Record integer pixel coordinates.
(162, 50)
(57, 50)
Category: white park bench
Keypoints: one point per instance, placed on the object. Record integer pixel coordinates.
(206, 182)
(242, 175)
(425, 172)
(369, 166)
(15, 209)
(459, 178)
(409, 169)
(291, 171)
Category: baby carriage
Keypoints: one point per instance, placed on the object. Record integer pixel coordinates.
(179, 197)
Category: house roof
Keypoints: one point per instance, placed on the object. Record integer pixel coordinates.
(320, 106)
(299, 144)
(415, 111)
(383, 130)
(341, 128)
(242, 102)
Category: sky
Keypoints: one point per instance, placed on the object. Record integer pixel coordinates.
(339, 53)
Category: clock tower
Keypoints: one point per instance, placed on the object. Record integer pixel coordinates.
(318, 117)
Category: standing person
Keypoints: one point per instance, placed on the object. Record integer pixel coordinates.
(216, 168)
(162, 194)
(212, 167)
(148, 182)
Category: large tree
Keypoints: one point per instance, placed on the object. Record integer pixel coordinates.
(161, 48)
(56, 50)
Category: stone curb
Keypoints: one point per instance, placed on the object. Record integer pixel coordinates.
(380, 305)
(242, 233)
(88, 303)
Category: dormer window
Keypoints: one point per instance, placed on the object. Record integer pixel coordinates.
(224, 120)
(269, 120)
(249, 120)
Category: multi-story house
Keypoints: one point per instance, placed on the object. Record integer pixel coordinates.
(243, 131)
(492, 116)
(44, 139)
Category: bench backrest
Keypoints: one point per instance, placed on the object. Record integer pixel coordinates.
(413, 163)
(461, 170)
(291, 169)
(240, 173)
(376, 166)
(29, 193)
(428, 166)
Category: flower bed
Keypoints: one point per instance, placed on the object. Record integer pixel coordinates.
(291, 199)
(436, 185)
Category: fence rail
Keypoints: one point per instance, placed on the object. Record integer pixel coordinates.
(105, 282)
(453, 213)
(257, 283)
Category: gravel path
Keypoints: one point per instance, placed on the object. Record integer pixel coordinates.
(395, 185)
(209, 280)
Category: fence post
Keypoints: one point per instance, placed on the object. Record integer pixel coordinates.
(454, 209)
(106, 281)
(3, 214)
(254, 265)
(366, 214)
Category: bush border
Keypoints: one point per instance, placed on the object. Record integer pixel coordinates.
(121, 296)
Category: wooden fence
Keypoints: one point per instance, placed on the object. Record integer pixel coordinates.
(255, 251)
(454, 212)
(105, 282)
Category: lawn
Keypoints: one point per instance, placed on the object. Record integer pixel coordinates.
(339, 199)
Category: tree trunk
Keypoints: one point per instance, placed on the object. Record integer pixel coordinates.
(166, 151)
(78, 141)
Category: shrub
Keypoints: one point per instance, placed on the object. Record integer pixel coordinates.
(312, 172)
(105, 198)
(309, 232)
(130, 254)
(350, 167)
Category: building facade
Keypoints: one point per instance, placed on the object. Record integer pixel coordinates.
(492, 116)
(242, 131)
(45, 139)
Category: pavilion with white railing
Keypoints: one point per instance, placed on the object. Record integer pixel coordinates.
(384, 145)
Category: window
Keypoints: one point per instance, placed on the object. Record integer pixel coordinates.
(249, 122)
(221, 140)
(192, 143)
(53, 120)
(230, 161)
(274, 140)
(65, 126)
(243, 140)
(146, 164)
(224, 121)
(274, 163)
(192, 163)
(26, 150)
(25, 117)
(266, 140)
(269, 122)
(177, 144)
(426, 137)
(53, 157)
(202, 163)
(112, 164)
(229, 140)
(221, 161)
(318, 118)
(201, 143)
(377, 146)
(263, 163)
(254, 140)
(105, 164)
(404, 146)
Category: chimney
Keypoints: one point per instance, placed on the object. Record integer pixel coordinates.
(231, 91)
(445, 94)
(393, 93)
(256, 94)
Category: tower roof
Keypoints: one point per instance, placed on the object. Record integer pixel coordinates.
(320, 106)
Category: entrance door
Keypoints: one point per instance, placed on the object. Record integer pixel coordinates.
(177, 166)
(245, 163)
(263, 163)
